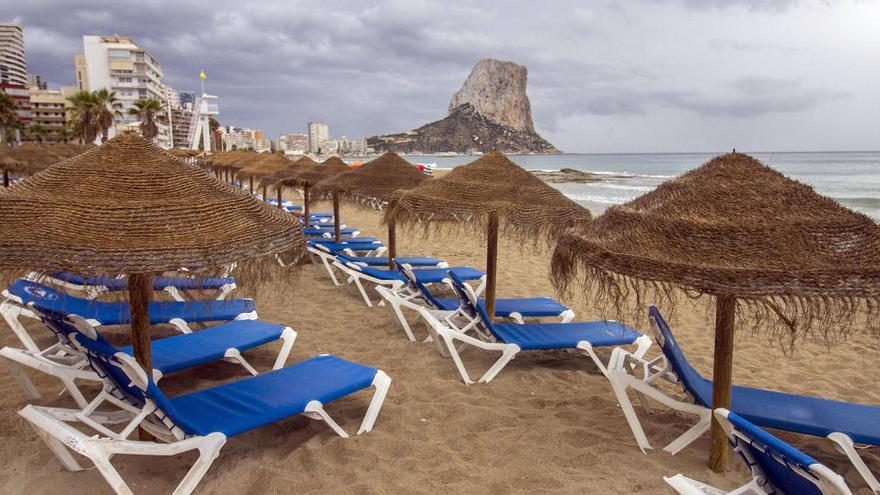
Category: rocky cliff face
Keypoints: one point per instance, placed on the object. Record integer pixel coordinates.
(497, 90)
(490, 112)
(464, 131)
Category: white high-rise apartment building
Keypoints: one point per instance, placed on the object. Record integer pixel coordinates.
(13, 68)
(118, 64)
(318, 133)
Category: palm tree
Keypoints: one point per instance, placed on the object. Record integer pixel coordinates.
(37, 132)
(8, 115)
(107, 109)
(149, 113)
(65, 134)
(83, 116)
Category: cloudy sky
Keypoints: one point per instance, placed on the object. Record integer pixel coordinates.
(604, 76)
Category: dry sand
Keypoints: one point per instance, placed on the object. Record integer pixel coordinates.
(547, 424)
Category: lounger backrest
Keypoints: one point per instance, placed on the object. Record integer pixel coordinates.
(65, 329)
(126, 379)
(407, 271)
(688, 376)
(469, 302)
(788, 469)
(48, 300)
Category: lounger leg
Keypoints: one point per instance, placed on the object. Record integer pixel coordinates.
(317, 412)
(363, 291)
(175, 293)
(618, 379)
(61, 453)
(288, 335)
(68, 374)
(401, 318)
(588, 348)
(381, 382)
(506, 355)
(688, 437)
(180, 325)
(208, 452)
(11, 312)
(330, 271)
(18, 372)
(845, 444)
(234, 355)
(453, 353)
(567, 315)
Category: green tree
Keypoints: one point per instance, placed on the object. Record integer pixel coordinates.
(37, 132)
(84, 117)
(8, 116)
(149, 113)
(65, 134)
(107, 109)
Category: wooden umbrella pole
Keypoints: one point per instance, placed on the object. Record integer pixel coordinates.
(5, 178)
(491, 264)
(336, 216)
(251, 181)
(140, 293)
(265, 193)
(392, 244)
(306, 206)
(278, 194)
(722, 377)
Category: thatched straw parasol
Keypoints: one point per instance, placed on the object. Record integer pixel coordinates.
(129, 207)
(311, 173)
(373, 184)
(266, 166)
(490, 194)
(763, 245)
(31, 158)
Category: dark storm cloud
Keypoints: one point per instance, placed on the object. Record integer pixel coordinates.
(393, 65)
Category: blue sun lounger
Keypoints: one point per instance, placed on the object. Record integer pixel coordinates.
(392, 279)
(511, 338)
(326, 251)
(24, 297)
(95, 286)
(201, 420)
(344, 240)
(842, 422)
(318, 232)
(222, 342)
(775, 466)
(449, 310)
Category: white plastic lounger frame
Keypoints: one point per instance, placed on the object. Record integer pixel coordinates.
(327, 258)
(68, 364)
(12, 308)
(620, 368)
(53, 425)
(450, 342)
(355, 276)
(95, 291)
(827, 481)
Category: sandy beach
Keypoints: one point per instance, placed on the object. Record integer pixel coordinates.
(548, 423)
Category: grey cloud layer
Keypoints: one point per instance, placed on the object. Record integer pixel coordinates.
(393, 65)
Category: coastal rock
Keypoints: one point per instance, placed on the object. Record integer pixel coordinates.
(464, 131)
(490, 112)
(497, 90)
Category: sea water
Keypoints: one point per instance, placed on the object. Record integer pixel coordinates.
(852, 178)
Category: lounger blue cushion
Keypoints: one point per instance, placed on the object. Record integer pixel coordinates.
(48, 300)
(528, 307)
(345, 240)
(246, 404)
(336, 248)
(159, 283)
(424, 275)
(188, 350)
(766, 408)
(532, 336)
(383, 261)
(320, 231)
